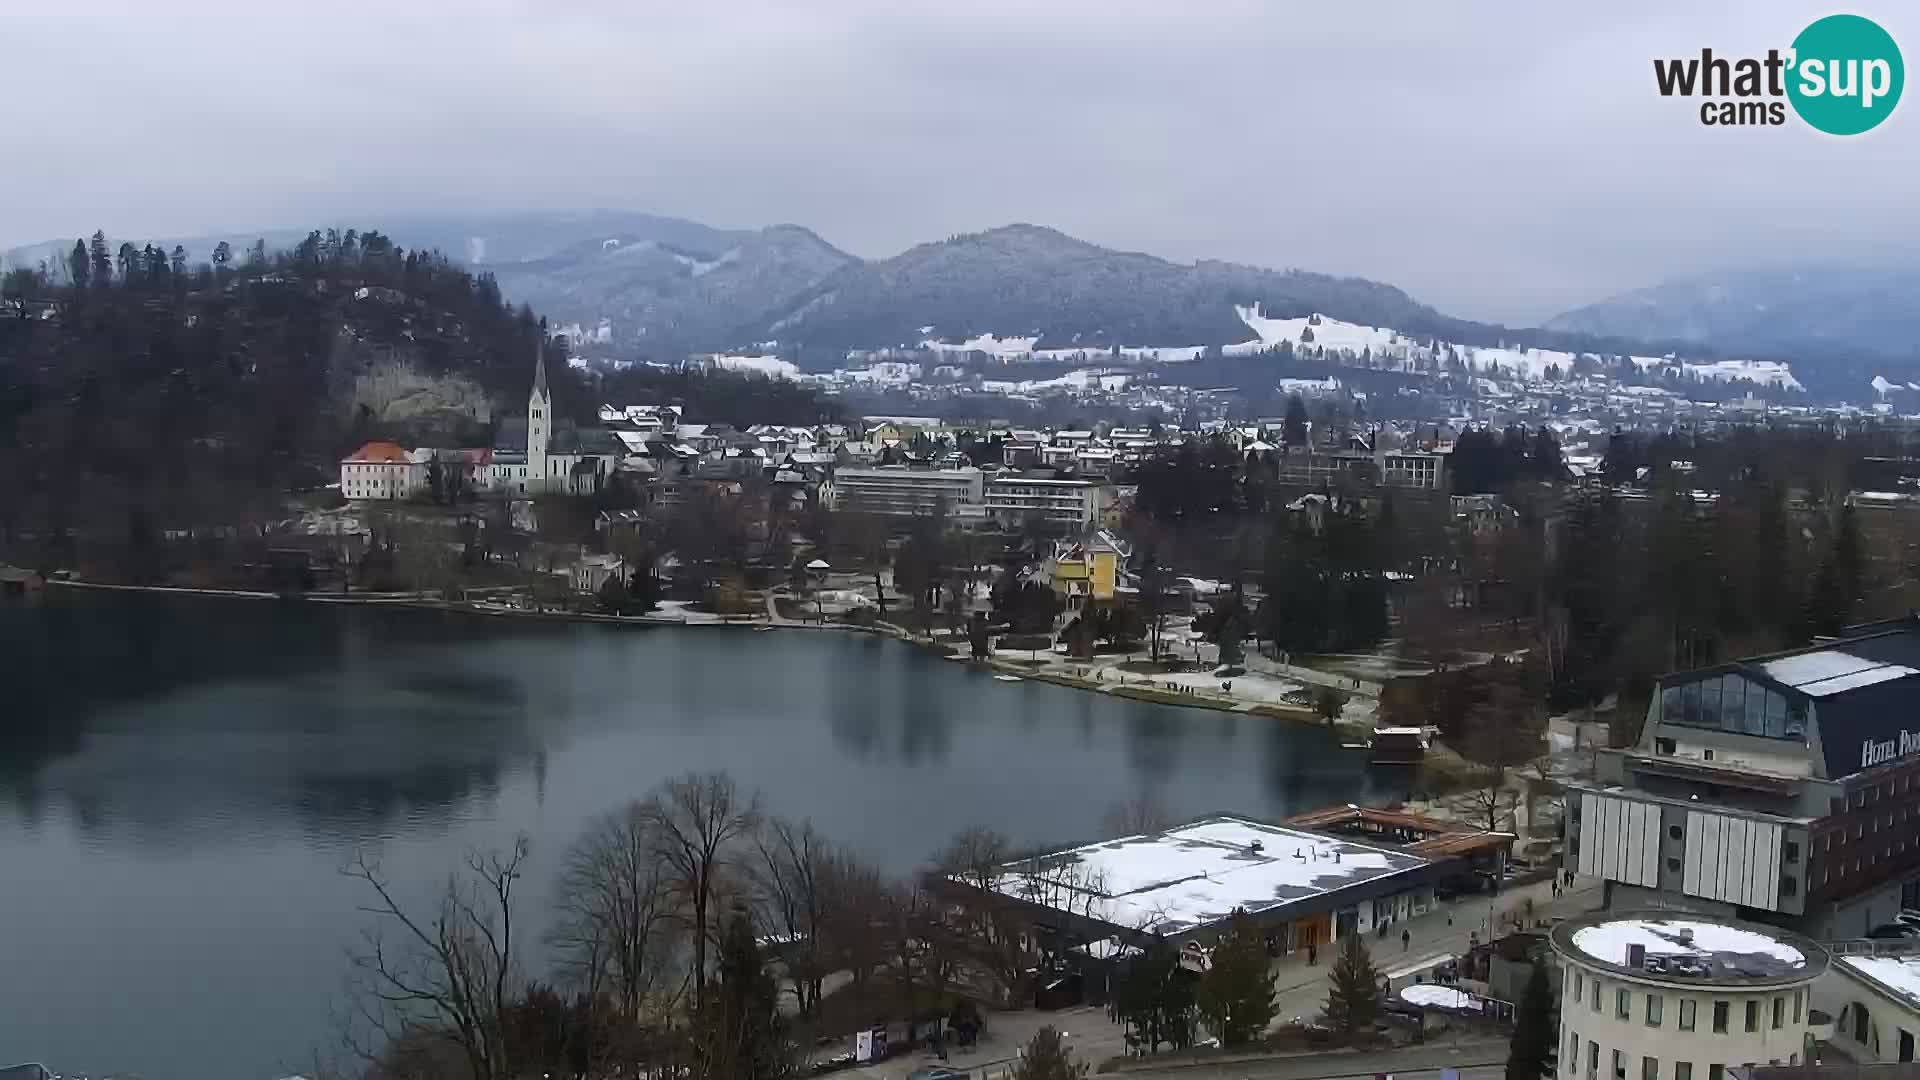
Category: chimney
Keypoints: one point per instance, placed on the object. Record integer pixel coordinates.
(1685, 935)
(1636, 956)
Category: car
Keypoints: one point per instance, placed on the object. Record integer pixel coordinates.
(1894, 931)
(1909, 916)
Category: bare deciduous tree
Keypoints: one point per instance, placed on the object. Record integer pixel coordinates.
(791, 876)
(422, 982)
(615, 909)
(698, 819)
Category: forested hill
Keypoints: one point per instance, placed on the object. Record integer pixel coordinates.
(137, 389)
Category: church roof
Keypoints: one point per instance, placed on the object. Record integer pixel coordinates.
(540, 367)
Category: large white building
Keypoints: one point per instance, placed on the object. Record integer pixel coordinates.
(897, 490)
(1784, 788)
(381, 470)
(1076, 504)
(1661, 995)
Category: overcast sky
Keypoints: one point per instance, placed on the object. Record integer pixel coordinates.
(1501, 161)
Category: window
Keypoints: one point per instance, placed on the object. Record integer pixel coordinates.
(1706, 755)
(1649, 1068)
(1779, 1013)
(1619, 1065)
(1673, 865)
(1663, 746)
(1673, 832)
(1623, 1004)
(1753, 1016)
(1596, 995)
(1720, 1018)
(1686, 1014)
(1796, 1006)
(1716, 1072)
(1656, 1007)
(1788, 886)
(1683, 1070)
(1792, 849)
(1573, 1051)
(1906, 1045)
(1593, 1057)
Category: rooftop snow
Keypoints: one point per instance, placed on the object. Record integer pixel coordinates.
(1437, 997)
(1198, 874)
(1898, 975)
(1730, 950)
(1831, 671)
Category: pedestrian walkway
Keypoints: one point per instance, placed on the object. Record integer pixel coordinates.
(1300, 988)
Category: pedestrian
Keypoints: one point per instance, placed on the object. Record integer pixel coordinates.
(1449, 916)
(1313, 954)
(1406, 940)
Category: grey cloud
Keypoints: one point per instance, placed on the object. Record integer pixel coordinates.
(1497, 160)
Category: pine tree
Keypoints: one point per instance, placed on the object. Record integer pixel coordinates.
(740, 1031)
(1155, 1000)
(1353, 991)
(79, 266)
(1837, 585)
(1236, 994)
(1535, 1037)
(1293, 430)
(102, 261)
(1045, 1057)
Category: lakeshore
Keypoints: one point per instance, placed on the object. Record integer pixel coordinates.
(1260, 693)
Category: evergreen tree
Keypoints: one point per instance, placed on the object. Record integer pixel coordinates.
(102, 261)
(178, 261)
(79, 266)
(1235, 997)
(1293, 430)
(1045, 1057)
(1535, 1036)
(740, 1030)
(1838, 584)
(1353, 991)
(222, 254)
(1547, 462)
(1155, 1000)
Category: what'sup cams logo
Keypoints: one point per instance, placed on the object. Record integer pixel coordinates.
(1843, 76)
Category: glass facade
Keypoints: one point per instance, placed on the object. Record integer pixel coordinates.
(1736, 704)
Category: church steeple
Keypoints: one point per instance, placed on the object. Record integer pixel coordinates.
(540, 365)
(539, 420)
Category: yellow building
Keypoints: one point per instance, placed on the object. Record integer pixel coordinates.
(1086, 570)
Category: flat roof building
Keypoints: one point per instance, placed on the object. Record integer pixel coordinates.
(1873, 994)
(1784, 788)
(1660, 995)
(1182, 884)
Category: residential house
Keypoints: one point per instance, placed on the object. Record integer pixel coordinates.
(381, 470)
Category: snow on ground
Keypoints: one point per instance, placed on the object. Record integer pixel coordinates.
(1437, 997)
(1003, 348)
(889, 372)
(1529, 364)
(1898, 974)
(1328, 333)
(1198, 874)
(1328, 385)
(1763, 372)
(770, 366)
(1082, 379)
(1608, 941)
(1252, 686)
(682, 610)
(701, 267)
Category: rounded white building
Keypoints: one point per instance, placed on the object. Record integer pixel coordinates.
(1666, 995)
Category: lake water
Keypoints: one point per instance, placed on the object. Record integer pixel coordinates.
(181, 780)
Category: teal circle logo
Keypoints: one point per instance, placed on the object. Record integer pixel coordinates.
(1846, 75)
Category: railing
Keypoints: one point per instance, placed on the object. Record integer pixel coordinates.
(1874, 947)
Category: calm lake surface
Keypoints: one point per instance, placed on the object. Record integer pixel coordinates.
(181, 780)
